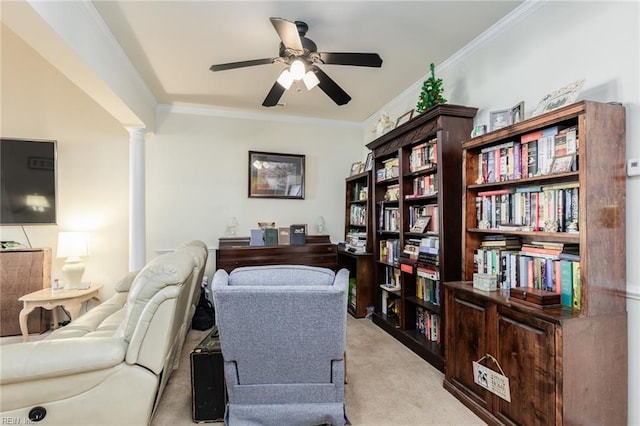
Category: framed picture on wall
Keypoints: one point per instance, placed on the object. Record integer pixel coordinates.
(273, 175)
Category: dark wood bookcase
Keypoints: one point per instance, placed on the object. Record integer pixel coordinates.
(565, 364)
(414, 321)
(359, 263)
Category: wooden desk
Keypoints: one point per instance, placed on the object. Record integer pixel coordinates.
(235, 252)
(70, 300)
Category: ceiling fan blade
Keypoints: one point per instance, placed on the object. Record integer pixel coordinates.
(274, 95)
(288, 32)
(330, 87)
(242, 64)
(357, 59)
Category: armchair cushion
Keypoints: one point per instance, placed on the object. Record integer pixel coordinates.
(285, 275)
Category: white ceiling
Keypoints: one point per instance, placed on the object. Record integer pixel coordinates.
(172, 44)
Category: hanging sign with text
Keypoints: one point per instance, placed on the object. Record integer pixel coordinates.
(492, 381)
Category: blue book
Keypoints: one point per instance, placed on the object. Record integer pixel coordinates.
(566, 280)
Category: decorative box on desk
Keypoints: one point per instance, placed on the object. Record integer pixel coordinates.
(235, 252)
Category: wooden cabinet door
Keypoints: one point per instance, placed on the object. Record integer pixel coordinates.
(526, 353)
(22, 272)
(466, 342)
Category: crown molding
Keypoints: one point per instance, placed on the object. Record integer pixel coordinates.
(503, 25)
(233, 113)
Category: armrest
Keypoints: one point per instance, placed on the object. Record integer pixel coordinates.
(29, 361)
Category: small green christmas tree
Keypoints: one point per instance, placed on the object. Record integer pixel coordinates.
(431, 92)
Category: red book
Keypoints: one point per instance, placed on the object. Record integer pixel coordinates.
(527, 248)
(531, 136)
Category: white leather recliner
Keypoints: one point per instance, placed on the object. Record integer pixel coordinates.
(110, 365)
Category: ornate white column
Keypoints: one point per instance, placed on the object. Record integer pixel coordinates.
(137, 226)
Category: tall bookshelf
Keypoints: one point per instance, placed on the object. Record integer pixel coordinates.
(358, 257)
(561, 340)
(417, 173)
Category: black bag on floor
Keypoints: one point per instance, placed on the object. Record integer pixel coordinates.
(204, 316)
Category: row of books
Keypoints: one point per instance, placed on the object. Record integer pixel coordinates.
(391, 278)
(553, 208)
(423, 155)
(532, 155)
(423, 186)
(533, 268)
(428, 324)
(428, 285)
(389, 251)
(358, 215)
(390, 169)
(360, 191)
(389, 219)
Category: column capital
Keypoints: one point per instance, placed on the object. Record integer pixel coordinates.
(136, 131)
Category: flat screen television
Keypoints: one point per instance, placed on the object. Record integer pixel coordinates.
(27, 182)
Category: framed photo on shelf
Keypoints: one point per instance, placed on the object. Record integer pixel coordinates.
(421, 224)
(273, 175)
(517, 113)
(368, 165)
(356, 168)
(500, 119)
(562, 164)
(404, 118)
(559, 98)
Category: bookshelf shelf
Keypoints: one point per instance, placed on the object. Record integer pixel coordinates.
(550, 355)
(359, 261)
(426, 154)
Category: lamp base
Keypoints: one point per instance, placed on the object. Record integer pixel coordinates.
(72, 272)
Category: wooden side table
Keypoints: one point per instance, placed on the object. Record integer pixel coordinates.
(70, 300)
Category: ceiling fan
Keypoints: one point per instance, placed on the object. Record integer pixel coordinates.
(302, 56)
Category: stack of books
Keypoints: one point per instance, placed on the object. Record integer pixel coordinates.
(356, 242)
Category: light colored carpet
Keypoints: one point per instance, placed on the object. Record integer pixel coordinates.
(388, 385)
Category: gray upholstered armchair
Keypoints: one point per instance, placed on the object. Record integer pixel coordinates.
(283, 337)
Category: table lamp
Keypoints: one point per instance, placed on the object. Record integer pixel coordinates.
(72, 245)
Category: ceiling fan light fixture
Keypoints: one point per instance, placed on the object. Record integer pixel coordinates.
(286, 79)
(310, 80)
(297, 69)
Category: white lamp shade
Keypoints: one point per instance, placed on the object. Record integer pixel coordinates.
(297, 69)
(73, 244)
(286, 79)
(310, 80)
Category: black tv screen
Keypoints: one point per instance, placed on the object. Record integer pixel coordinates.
(27, 182)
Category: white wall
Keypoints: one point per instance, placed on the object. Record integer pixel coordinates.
(39, 102)
(197, 174)
(556, 44)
